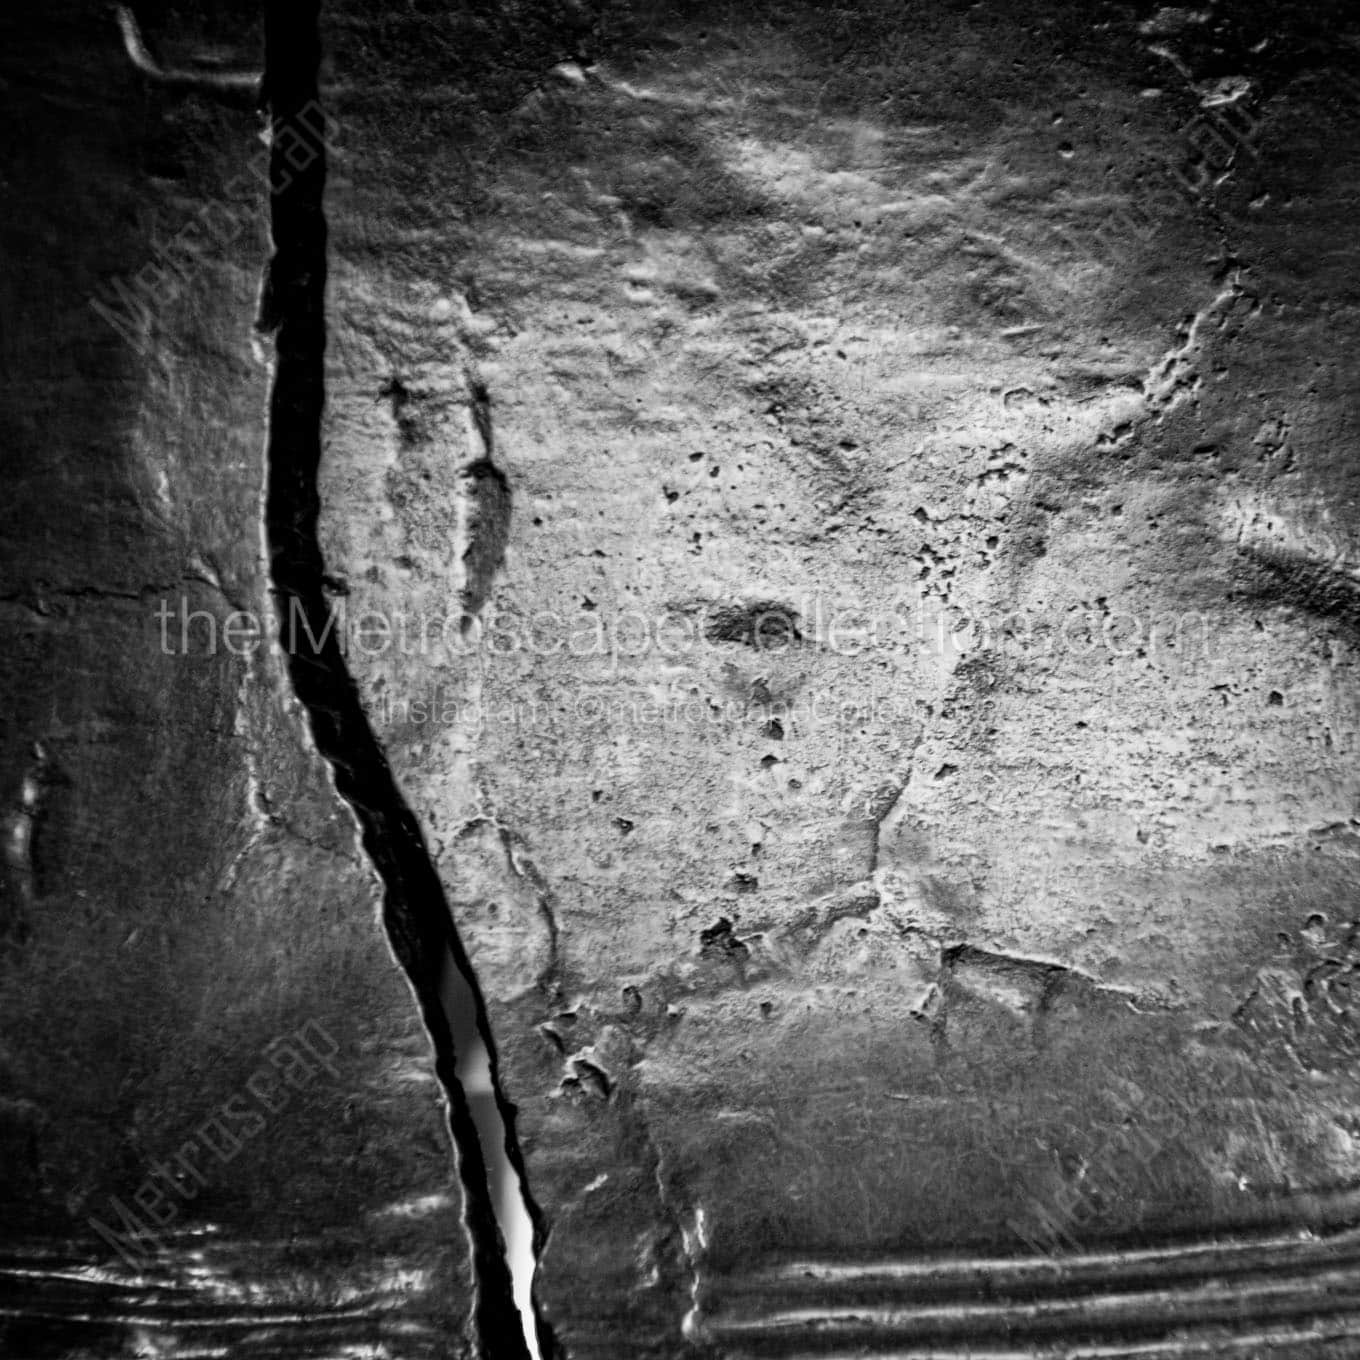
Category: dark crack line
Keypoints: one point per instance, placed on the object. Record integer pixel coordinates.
(415, 911)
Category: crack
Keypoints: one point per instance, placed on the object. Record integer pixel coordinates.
(415, 910)
(1176, 375)
(1175, 378)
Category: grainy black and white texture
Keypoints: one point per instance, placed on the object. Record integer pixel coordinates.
(702, 659)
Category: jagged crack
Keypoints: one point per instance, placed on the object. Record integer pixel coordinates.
(415, 910)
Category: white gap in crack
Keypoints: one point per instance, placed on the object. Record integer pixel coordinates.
(473, 1071)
